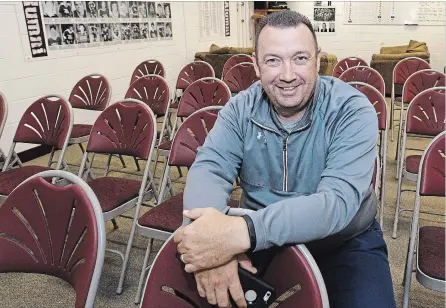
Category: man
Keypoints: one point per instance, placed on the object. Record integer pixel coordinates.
(304, 149)
(79, 12)
(324, 27)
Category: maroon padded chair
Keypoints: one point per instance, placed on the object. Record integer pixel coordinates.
(366, 75)
(416, 83)
(127, 127)
(160, 222)
(234, 60)
(292, 272)
(189, 73)
(54, 230)
(148, 67)
(93, 92)
(402, 70)
(48, 121)
(425, 116)
(429, 240)
(240, 77)
(379, 103)
(346, 63)
(202, 93)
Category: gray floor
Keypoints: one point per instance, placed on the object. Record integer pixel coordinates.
(30, 290)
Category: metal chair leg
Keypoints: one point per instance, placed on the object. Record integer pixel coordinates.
(138, 168)
(143, 272)
(122, 161)
(115, 224)
(398, 192)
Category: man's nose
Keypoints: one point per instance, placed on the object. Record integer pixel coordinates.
(287, 73)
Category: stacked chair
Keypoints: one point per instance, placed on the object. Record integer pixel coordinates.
(240, 77)
(148, 67)
(366, 75)
(235, 59)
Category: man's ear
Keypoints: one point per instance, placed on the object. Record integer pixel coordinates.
(256, 65)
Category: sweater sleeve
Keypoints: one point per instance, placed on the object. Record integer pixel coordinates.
(344, 182)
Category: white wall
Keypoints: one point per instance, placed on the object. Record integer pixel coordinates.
(365, 40)
(22, 80)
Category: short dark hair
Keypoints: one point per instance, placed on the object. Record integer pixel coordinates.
(282, 20)
(53, 27)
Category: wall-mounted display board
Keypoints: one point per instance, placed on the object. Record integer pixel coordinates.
(62, 25)
(394, 12)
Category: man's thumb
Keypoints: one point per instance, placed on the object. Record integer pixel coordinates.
(193, 214)
(246, 264)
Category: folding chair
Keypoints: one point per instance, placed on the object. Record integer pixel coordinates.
(127, 127)
(240, 77)
(204, 92)
(92, 92)
(48, 121)
(346, 63)
(189, 73)
(235, 59)
(366, 75)
(402, 70)
(429, 241)
(425, 117)
(148, 67)
(154, 91)
(292, 272)
(160, 222)
(3, 119)
(54, 230)
(379, 103)
(417, 82)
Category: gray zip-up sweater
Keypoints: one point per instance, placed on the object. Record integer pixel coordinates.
(306, 185)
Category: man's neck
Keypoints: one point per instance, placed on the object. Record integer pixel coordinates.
(293, 118)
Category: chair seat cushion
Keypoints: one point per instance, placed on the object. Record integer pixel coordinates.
(413, 163)
(113, 192)
(80, 130)
(168, 216)
(10, 179)
(431, 251)
(165, 145)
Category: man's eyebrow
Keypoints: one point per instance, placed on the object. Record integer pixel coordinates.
(300, 52)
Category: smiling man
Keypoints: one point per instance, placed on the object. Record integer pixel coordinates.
(304, 148)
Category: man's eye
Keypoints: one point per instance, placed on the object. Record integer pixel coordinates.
(272, 61)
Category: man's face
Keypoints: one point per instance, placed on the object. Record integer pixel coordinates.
(53, 32)
(167, 10)
(287, 64)
(79, 6)
(324, 26)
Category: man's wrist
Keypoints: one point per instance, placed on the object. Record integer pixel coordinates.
(251, 233)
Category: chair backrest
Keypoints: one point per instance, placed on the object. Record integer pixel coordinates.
(292, 272)
(365, 74)
(406, 67)
(346, 63)
(235, 59)
(153, 90)
(54, 230)
(191, 135)
(240, 77)
(3, 112)
(426, 113)
(432, 168)
(127, 127)
(192, 72)
(202, 93)
(48, 121)
(376, 99)
(422, 80)
(93, 92)
(148, 67)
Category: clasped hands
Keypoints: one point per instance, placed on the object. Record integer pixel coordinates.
(212, 247)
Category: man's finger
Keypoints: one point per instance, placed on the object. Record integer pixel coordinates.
(210, 294)
(236, 291)
(194, 214)
(181, 248)
(190, 268)
(221, 293)
(200, 288)
(178, 237)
